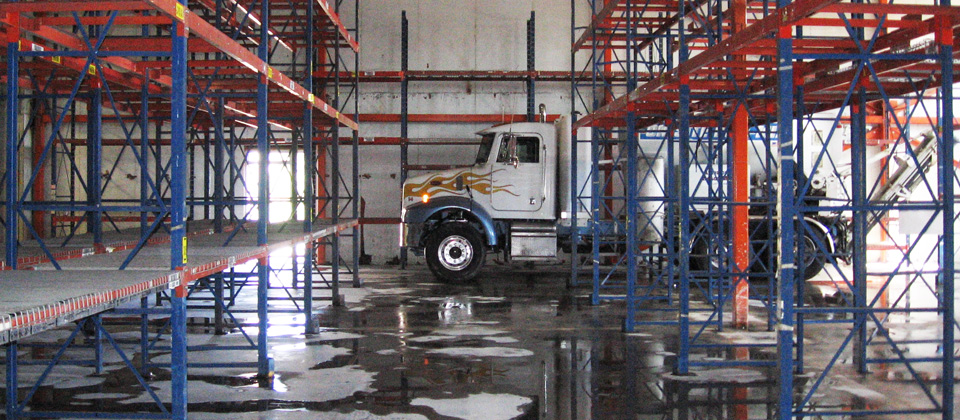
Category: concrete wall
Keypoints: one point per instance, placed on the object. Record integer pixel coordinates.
(448, 35)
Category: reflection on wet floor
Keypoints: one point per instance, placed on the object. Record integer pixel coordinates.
(511, 346)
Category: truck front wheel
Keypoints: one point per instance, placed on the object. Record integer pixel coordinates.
(455, 252)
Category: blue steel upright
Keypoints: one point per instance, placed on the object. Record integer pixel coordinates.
(309, 199)
(264, 370)
(787, 211)
(178, 207)
(13, 133)
(948, 174)
(404, 110)
(858, 180)
(685, 204)
(94, 161)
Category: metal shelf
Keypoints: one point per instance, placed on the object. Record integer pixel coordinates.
(181, 90)
(715, 79)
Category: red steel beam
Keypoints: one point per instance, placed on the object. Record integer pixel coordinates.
(204, 30)
(452, 118)
(595, 22)
(71, 6)
(72, 42)
(196, 25)
(784, 17)
(335, 20)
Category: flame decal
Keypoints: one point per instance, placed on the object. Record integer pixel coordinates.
(477, 182)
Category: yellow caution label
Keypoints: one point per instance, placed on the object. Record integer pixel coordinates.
(336, 114)
(184, 250)
(310, 98)
(56, 59)
(19, 45)
(92, 70)
(269, 72)
(180, 12)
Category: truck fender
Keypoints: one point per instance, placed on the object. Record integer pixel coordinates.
(421, 212)
(824, 230)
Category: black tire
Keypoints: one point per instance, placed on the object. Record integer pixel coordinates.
(455, 252)
(705, 256)
(813, 259)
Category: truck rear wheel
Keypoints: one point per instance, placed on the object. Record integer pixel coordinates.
(455, 252)
(813, 258)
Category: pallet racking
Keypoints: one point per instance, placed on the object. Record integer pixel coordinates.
(170, 89)
(722, 78)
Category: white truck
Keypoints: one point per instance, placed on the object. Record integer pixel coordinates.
(516, 198)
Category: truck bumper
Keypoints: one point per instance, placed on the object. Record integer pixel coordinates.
(410, 235)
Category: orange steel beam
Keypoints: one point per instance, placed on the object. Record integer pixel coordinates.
(783, 17)
(596, 21)
(740, 226)
(740, 168)
(451, 118)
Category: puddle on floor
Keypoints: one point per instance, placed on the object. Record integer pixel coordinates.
(507, 347)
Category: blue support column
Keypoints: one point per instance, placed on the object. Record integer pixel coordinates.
(357, 281)
(788, 213)
(309, 198)
(860, 200)
(947, 176)
(219, 165)
(335, 215)
(631, 218)
(800, 289)
(683, 258)
(858, 180)
(355, 154)
(97, 321)
(144, 336)
(13, 105)
(404, 110)
(144, 152)
(264, 370)
(94, 162)
(178, 206)
(632, 189)
(12, 397)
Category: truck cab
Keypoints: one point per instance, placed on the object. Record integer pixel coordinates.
(509, 195)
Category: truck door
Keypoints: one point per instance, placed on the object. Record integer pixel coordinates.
(517, 176)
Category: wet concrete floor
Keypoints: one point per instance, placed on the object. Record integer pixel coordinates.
(517, 344)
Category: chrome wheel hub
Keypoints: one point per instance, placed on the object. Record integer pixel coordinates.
(455, 253)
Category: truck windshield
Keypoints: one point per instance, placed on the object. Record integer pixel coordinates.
(486, 144)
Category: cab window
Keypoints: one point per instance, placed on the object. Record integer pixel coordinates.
(528, 149)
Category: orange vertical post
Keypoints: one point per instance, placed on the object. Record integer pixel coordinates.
(740, 226)
(741, 193)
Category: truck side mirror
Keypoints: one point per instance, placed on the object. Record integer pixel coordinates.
(512, 152)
